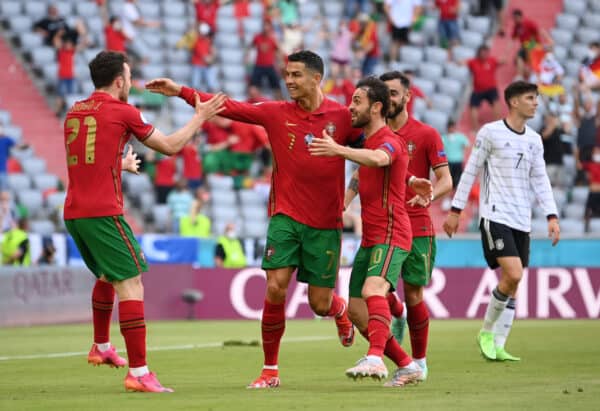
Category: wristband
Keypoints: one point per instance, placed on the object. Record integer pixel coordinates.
(455, 210)
(411, 179)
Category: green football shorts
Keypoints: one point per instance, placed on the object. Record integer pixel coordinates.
(381, 260)
(419, 264)
(315, 252)
(108, 247)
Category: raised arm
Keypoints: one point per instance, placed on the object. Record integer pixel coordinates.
(327, 146)
(235, 110)
(173, 143)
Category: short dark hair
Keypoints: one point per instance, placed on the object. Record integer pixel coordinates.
(396, 75)
(517, 13)
(377, 92)
(451, 123)
(518, 88)
(105, 67)
(310, 59)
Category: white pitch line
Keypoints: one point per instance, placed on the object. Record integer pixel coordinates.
(164, 348)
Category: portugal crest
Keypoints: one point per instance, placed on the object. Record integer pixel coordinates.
(411, 147)
(330, 129)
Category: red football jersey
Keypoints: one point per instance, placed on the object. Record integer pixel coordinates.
(426, 152)
(484, 73)
(96, 130)
(307, 188)
(382, 194)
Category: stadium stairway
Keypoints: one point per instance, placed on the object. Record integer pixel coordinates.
(30, 111)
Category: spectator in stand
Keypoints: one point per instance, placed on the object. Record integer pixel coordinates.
(215, 156)
(448, 25)
(341, 50)
(485, 88)
(495, 8)
(549, 76)
(255, 96)
(164, 177)
(455, 144)
(15, 245)
(415, 93)
(249, 138)
(401, 15)
(51, 24)
(265, 66)
(589, 74)
(6, 143)
(179, 201)
(65, 54)
(8, 214)
(196, 224)
(192, 166)
(48, 256)
(552, 132)
(132, 19)
(206, 12)
(292, 39)
(229, 252)
(115, 37)
(288, 12)
(592, 207)
(337, 86)
(587, 121)
(528, 35)
(204, 72)
(366, 43)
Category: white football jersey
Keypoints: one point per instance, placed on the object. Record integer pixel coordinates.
(512, 168)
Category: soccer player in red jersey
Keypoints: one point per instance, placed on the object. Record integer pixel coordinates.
(426, 153)
(386, 237)
(96, 131)
(306, 198)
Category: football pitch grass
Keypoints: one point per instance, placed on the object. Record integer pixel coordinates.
(44, 368)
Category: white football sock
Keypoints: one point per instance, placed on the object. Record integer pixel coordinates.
(103, 347)
(504, 323)
(139, 371)
(497, 303)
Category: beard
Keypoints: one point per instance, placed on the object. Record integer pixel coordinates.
(396, 109)
(124, 95)
(361, 120)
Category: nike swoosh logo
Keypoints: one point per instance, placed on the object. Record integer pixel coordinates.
(288, 124)
(371, 267)
(324, 277)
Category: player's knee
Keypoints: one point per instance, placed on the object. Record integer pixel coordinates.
(319, 306)
(275, 292)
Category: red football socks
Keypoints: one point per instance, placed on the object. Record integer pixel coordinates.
(272, 327)
(418, 324)
(103, 298)
(379, 324)
(337, 306)
(133, 328)
(394, 352)
(396, 306)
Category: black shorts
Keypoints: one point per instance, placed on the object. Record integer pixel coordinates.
(477, 98)
(400, 34)
(486, 4)
(499, 240)
(592, 206)
(267, 72)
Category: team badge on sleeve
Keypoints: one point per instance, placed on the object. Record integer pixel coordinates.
(389, 147)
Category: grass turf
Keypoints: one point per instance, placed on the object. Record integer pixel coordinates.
(560, 370)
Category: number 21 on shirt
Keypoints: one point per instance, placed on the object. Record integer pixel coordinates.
(74, 124)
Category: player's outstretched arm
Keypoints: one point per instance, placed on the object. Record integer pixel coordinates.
(173, 143)
(327, 147)
(164, 86)
(131, 162)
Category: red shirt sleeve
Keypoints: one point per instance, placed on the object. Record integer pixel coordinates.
(392, 148)
(136, 123)
(417, 92)
(257, 113)
(435, 150)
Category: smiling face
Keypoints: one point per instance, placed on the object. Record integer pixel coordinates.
(399, 97)
(360, 108)
(300, 81)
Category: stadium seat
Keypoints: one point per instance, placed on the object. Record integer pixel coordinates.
(431, 71)
(231, 56)
(150, 71)
(254, 213)
(175, 9)
(217, 182)
(135, 184)
(223, 198)
(152, 40)
(479, 24)
(333, 8)
(180, 72)
(147, 201)
(235, 88)
(411, 54)
(427, 86)
(227, 41)
(18, 182)
(86, 9)
(5, 117)
(30, 40)
(43, 227)
(34, 166)
(539, 227)
(256, 9)
(419, 106)
(436, 55)
(594, 5)
(250, 197)
(452, 88)
(227, 25)
(457, 72)
(560, 52)
(170, 40)
(572, 227)
(443, 103)
(44, 182)
(225, 10)
(575, 7)
(161, 215)
(56, 200)
(471, 39)
(595, 225)
(149, 10)
(32, 200)
(254, 229)
(579, 194)
(174, 25)
(178, 56)
(436, 119)
(253, 25)
(14, 132)
(562, 37)
(574, 211)
(310, 9)
(20, 24)
(43, 55)
(560, 197)
(65, 8)
(10, 9)
(461, 53)
(224, 213)
(578, 51)
(567, 22)
(572, 67)
(35, 9)
(587, 35)
(233, 72)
